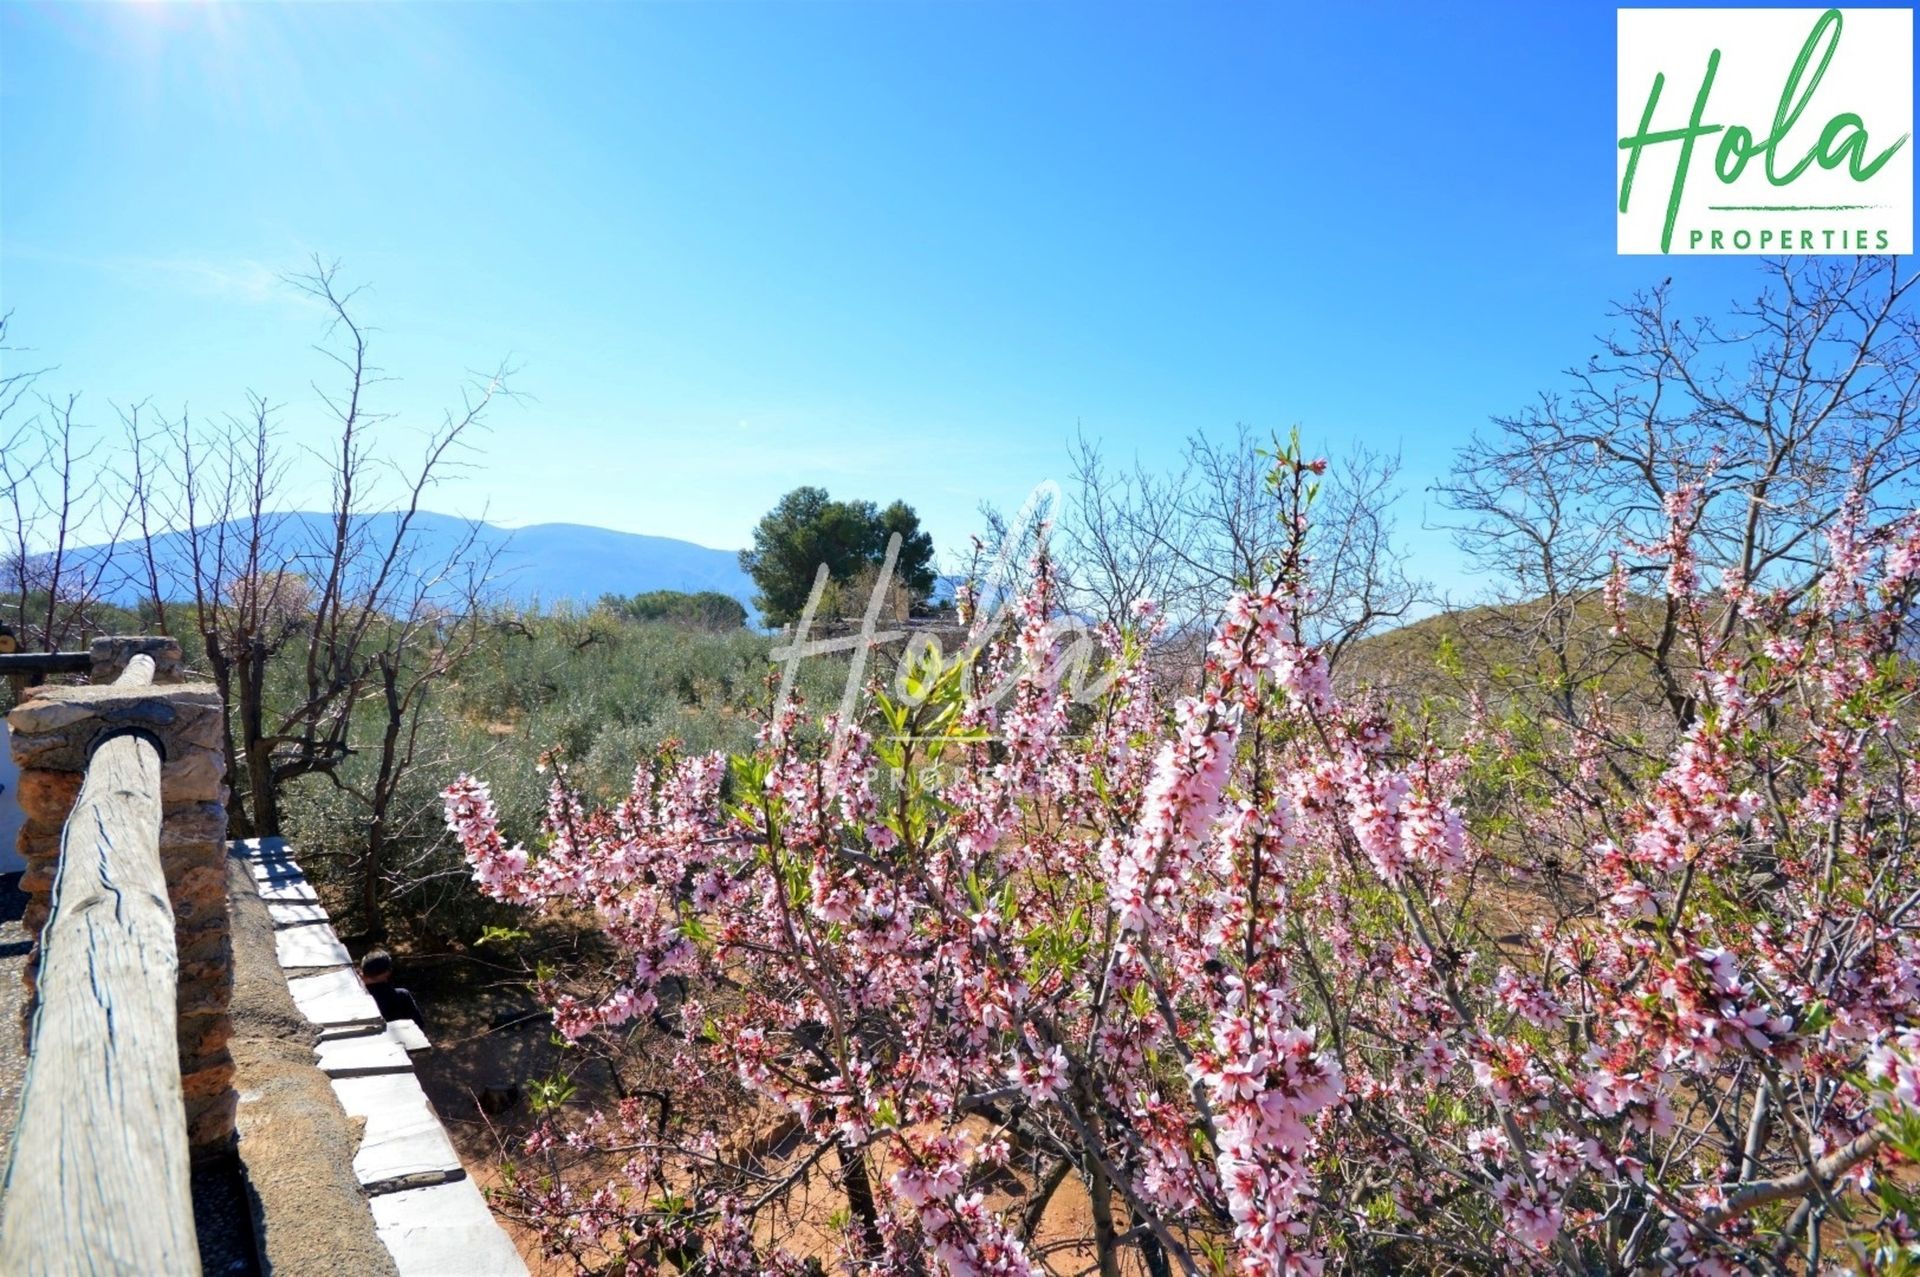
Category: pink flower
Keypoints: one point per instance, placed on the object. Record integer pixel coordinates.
(1534, 1217)
(1041, 1076)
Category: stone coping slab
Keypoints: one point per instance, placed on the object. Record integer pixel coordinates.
(428, 1215)
(408, 1035)
(356, 1029)
(312, 945)
(297, 914)
(404, 1142)
(280, 869)
(362, 1056)
(261, 848)
(287, 891)
(444, 1231)
(335, 998)
(279, 881)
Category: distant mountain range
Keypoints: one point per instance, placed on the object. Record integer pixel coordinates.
(544, 562)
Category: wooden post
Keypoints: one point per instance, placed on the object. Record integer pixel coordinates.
(98, 1181)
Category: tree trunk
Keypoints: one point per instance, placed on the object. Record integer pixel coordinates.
(859, 1190)
(265, 802)
(263, 795)
(239, 810)
(385, 782)
(1106, 1247)
(1153, 1253)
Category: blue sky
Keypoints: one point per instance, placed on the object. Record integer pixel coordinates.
(894, 249)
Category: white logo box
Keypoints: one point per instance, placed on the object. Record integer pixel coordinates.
(1868, 76)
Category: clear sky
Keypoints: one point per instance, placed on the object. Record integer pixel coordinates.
(894, 249)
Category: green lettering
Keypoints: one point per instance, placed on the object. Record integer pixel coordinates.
(1737, 144)
(1853, 150)
(1694, 131)
(1790, 107)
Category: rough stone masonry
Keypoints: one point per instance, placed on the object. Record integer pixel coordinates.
(55, 729)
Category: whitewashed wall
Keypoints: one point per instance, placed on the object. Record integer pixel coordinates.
(10, 817)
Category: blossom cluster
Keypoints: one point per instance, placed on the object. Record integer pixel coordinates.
(1270, 973)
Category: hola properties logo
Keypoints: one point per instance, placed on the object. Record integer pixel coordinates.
(1766, 131)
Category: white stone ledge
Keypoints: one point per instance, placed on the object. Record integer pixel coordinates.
(362, 1056)
(404, 1139)
(335, 999)
(297, 914)
(311, 945)
(444, 1231)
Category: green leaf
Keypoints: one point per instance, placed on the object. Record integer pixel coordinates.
(546, 1094)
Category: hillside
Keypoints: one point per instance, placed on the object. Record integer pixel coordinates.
(547, 562)
(1508, 645)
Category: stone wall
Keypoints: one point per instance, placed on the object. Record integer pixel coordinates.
(54, 731)
(110, 655)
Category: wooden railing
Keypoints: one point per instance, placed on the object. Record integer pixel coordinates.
(99, 1179)
(23, 663)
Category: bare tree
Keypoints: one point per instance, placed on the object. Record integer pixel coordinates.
(1125, 538)
(1752, 429)
(60, 502)
(421, 649)
(1357, 569)
(141, 512)
(301, 630)
(1189, 537)
(321, 644)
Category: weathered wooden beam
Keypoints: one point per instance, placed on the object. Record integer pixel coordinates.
(45, 662)
(98, 1181)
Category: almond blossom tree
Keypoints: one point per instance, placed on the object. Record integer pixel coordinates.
(1288, 984)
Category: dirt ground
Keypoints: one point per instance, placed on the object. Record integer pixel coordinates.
(489, 1037)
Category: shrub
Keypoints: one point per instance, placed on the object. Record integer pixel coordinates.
(591, 692)
(706, 610)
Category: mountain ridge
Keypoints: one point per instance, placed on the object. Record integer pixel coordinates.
(540, 562)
